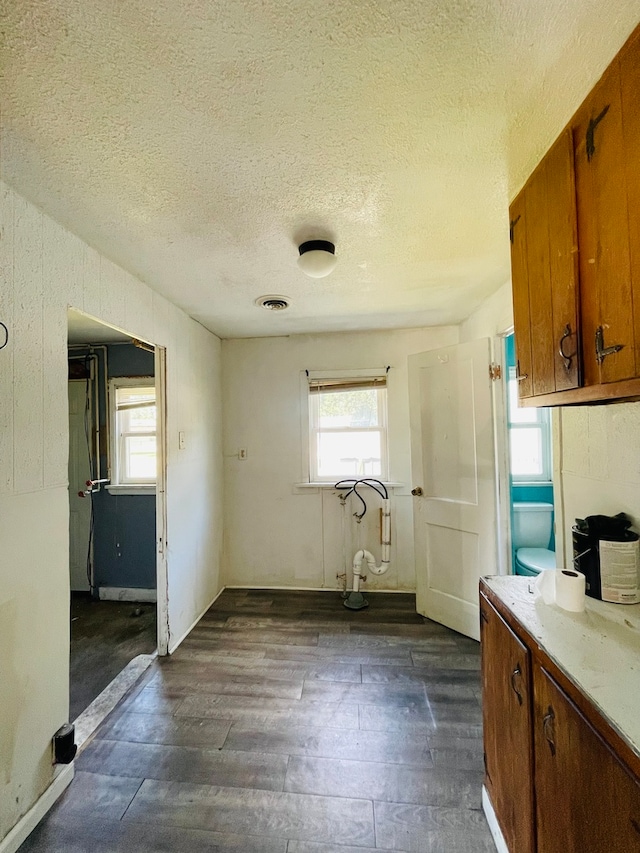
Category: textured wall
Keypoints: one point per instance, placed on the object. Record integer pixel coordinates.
(276, 535)
(45, 268)
(600, 463)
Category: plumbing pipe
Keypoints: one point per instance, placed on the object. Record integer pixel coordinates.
(364, 555)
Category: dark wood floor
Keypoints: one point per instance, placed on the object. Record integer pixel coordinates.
(105, 637)
(288, 724)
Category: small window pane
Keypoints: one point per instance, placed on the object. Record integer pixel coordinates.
(518, 415)
(349, 454)
(526, 451)
(140, 463)
(351, 409)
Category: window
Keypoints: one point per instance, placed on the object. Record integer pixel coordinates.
(133, 408)
(348, 428)
(529, 438)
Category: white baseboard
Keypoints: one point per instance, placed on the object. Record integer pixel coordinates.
(174, 645)
(28, 822)
(123, 593)
(492, 820)
(316, 589)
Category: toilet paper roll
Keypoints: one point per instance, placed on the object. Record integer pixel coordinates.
(570, 590)
(563, 587)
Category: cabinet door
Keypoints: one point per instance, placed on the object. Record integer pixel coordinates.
(630, 82)
(606, 286)
(585, 798)
(506, 701)
(544, 273)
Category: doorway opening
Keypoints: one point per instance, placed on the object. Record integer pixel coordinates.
(531, 497)
(115, 433)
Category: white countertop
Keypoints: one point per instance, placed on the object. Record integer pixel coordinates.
(599, 649)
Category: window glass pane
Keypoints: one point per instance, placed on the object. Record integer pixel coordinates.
(140, 463)
(349, 454)
(141, 420)
(518, 415)
(350, 409)
(526, 451)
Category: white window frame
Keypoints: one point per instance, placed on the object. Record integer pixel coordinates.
(310, 434)
(543, 424)
(118, 484)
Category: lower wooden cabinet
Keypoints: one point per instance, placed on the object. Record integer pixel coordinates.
(508, 759)
(585, 797)
(554, 773)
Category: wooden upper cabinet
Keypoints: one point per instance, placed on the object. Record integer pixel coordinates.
(602, 147)
(544, 266)
(506, 685)
(586, 800)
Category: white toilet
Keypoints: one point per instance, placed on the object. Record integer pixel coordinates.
(531, 536)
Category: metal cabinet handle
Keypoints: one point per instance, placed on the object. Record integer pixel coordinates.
(517, 672)
(568, 359)
(548, 729)
(520, 377)
(601, 350)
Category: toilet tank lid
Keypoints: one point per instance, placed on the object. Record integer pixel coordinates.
(536, 558)
(531, 506)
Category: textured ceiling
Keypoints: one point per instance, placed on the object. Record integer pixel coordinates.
(197, 143)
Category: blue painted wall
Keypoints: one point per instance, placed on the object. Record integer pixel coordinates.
(124, 538)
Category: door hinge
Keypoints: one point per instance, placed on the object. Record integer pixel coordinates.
(495, 372)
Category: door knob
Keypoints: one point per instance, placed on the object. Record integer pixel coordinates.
(417, 492)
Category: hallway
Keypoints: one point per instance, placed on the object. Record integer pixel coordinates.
(285, 723)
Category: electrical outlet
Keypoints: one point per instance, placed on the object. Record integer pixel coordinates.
(242, 453)
(181, 440)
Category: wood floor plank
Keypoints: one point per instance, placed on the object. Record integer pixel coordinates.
(266, 713)
(461, 717)
(167, 729)
(394, 748)
(238, 685)
(265, 813)
(393, 783)
(54, 836)
(427, 829)
(231, 769)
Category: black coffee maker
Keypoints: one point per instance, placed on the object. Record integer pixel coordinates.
(587, 533)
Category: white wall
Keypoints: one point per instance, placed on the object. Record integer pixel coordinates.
(599, 464)
(275, 534)
(43, 270)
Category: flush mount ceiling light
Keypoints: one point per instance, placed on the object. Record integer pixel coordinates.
(273, 302)
(317, 258)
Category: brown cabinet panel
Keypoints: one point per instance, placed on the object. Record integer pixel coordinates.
(544, 271)
(563, 263)
(603, 232)
(585, 798)
(536, 223)
(630, 81)
(520, 281)
(506, 678)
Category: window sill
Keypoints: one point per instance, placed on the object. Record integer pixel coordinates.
(302, 487)
(132, 489)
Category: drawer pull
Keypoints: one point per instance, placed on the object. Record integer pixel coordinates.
(635, 825)
(568, 359)
(520, 377)
(517, 672)
(601, 350)
(548, 729)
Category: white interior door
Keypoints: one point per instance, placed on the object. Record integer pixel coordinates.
(79, 473)
(453, 463)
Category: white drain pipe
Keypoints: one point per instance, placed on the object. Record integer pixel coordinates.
(367, 556)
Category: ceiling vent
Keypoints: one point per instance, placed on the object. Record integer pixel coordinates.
(273, 303)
